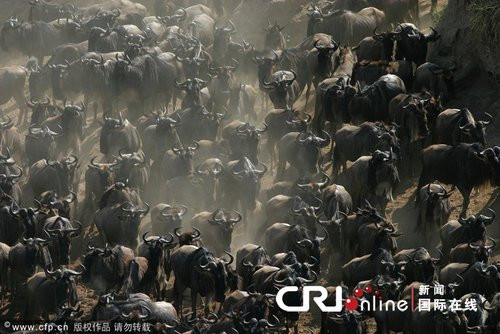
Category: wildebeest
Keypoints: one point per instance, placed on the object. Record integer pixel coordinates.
(12, 81)
(165, 218)
(71, 121)
(116, 134)
(156, 249)
(419, 266)
(47, 292)
(240, 185)
(274, 38)
(435, 79)
(464, 230)
(119, 224)
(25, 256)
(347, 27)
(249, 258)
(302, 151)
(61, 232)
(243, 140)
(279, 123)
(367, 72)
(106, 268)
(434, 209)
(371, 178)
(281, 237)
(40, 144)
(199, 270)
(98, 177)
(454, 126)
(465, 165)
(352, 142)
(473, 252)
(178, 161)
(282, 88)
(366, 267)
(31, 38)
(41, 110)
(55, 175)
(216, 229)
(372, 102)
(412, 43)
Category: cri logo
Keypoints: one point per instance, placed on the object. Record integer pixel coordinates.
(350, 303)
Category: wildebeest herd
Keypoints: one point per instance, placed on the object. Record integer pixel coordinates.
(203, 176)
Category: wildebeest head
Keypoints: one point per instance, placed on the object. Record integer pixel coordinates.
(420, 265)
(65, 286)
(249, 137)
(187, 238)
(51, 201)
(414, 119)
(9, 32)
(193, 60)
(315, 16)
(8, 180)
(278, 88)
(386, 237)
(325, 51)
(185, 156)
(114, 123)
(92, 257)
(265, 66)
(274, 38)
(482, 251)
(248, 176)
(217, 269)
(65, 169)
(41, 10)
(104, 172)
(287, 276)
(383, 175)
(475, 131)
(305, 214)
(158, 247)
(41, 110)
(192, 87)
(102, 19)
(387, 40)
(128, 168)
(308, 245)
(310, 146)
(66, 78)
(174, 19)
(72, 119)
(311, 191)
(435, 202)
(222, 38)
(43, 134)
(131, 214)
(37, 253)
(171, 215)
(225, 221)
(254, 325)
(475, 225)
(223, 80)
(446, 74)
(412, 44)
(26, 216)
(61, 233)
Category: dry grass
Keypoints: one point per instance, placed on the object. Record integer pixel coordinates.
(485, 19)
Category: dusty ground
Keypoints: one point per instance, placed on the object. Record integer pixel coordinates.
(400, 210)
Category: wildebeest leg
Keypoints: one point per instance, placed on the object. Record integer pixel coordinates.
(21, 103)
(308, 90)
(194, 294)
(280, 171)
(465, 191)
(178, 292)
